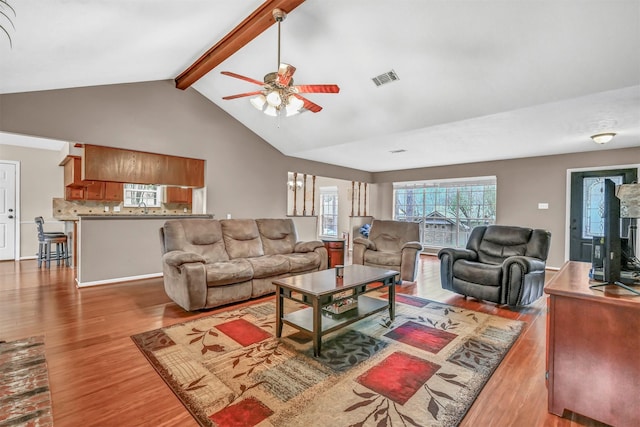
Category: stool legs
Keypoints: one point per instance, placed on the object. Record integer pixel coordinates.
(61, 252)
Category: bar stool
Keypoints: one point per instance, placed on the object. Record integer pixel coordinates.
(45, 240)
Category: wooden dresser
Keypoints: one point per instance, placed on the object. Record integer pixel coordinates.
(593, 348)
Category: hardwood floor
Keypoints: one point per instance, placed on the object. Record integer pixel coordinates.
(98, 377)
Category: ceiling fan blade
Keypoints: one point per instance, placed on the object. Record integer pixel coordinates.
(317, 88)
(314, 108)
(285, 74)
(238, 76)
(242, 95)
(259, 20)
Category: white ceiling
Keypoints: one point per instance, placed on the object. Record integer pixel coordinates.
(479, 79)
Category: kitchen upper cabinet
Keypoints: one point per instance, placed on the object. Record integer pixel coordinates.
(104, 191)
(72, 172)
(77, 189)
(73, 193)
(178, 195)
(114, 191)
(138, 167)
(94, 191)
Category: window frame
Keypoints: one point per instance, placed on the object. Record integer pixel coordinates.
(149, 201)
(447, 195)
(329, 191)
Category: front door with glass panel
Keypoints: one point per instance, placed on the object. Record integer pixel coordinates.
(587, 199)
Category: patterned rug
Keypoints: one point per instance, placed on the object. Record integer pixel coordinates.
(24, 384)
(423, 369)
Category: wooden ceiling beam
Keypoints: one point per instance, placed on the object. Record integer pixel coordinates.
(254, 25)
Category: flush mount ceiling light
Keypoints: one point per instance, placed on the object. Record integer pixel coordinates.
(278, 94)
(603, 138)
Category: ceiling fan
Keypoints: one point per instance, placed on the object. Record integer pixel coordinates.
(278, 93)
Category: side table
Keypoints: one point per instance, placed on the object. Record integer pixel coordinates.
(335, 249)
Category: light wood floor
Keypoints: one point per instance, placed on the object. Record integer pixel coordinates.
(98, 377)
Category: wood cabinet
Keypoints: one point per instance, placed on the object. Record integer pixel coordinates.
(178, 195)
(72, 193)
(335, 249)
(77, 189)
(72, 172)
(137, 167)
(94, 191)
(114, 191)
(592, 348)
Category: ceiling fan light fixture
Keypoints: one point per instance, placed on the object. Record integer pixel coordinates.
(279, 96)
(271, 111)
(603, 138)
(273, 99)
(258, 102)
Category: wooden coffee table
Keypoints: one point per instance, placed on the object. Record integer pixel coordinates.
(322, 288)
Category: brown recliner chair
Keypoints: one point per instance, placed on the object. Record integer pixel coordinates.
(391, 244)
(502, 264)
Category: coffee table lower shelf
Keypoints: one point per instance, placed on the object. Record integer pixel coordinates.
(303, 319)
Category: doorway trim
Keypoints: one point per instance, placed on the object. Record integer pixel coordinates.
(567, 210)
(17, 222)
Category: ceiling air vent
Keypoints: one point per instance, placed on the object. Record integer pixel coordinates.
(388, 77)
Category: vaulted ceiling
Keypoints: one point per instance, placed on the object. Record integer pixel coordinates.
(478, 79)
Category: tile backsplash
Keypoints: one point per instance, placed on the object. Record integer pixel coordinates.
(68, 210)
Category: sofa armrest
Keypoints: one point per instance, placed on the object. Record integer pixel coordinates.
(526, 264)
(368, 244)
(522, 280)
(412, 245)
(454, 254)
(178, 258)
(308, 246)
(447, 257)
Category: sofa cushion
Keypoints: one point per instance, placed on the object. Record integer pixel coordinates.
(383, 258)
(269, 265)
(228, 272)
(501, 242)
(389, 236)
(306, 261)
(200, 236)
(278, 235)
(241, 238)
(475, 272)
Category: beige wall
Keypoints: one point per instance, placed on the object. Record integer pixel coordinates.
(521, 185)
(40, 181)
(245, 176)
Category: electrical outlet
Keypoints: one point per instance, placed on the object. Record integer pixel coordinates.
(106, 208)
(543, 205)
(116, 208)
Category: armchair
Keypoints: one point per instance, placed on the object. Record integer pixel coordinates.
(391, 244)
(502, 264)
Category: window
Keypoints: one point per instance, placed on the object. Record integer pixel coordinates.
(329, 211)
(136, 195)
(446, 209)
(593, 205)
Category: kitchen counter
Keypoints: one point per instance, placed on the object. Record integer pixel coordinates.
(130, 216)
(118, 248)
(142, 216)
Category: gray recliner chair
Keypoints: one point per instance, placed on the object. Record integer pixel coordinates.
(394, 245)
(501, 264)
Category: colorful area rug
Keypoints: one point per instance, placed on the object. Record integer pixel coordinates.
(423, 369)
(24, 384)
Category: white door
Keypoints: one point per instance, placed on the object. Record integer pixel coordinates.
(7, 211)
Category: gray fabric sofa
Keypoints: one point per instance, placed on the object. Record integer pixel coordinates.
(208, 263)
